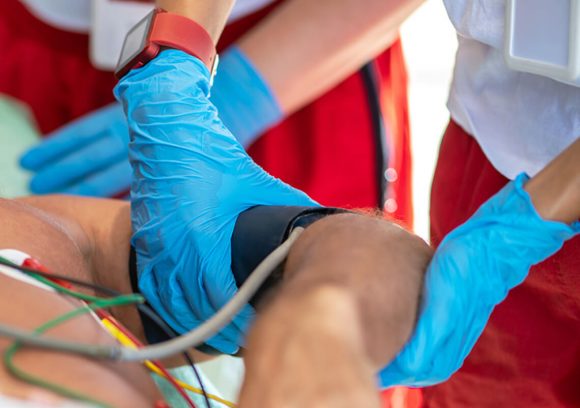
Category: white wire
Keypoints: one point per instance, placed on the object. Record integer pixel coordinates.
(182, 343)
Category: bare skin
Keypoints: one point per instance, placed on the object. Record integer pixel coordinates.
(555, 191)
(298, 69)
(350, 300)
(348, 303)
(89, 239)
(305, 48)
(211, 15)
(61, 245)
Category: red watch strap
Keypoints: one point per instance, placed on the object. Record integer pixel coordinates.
(175, 31)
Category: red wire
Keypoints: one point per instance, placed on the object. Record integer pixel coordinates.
(104, 315)
(36, 265)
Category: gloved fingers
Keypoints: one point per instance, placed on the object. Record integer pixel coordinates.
(228, 338)
(244, 321)
(268, 190)
(59, 144)
(80, 166)
(223, 344)
(214, 290)
(472, 271)
(73, 136)
(184, 319)
(108, 183)
(221, 291)
(233, 336)
(237, 330)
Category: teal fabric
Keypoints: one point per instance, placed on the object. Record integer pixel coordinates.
(186, 375)
(17, 134)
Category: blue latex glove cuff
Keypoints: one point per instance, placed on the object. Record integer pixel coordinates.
(473, 270)
(245, 102)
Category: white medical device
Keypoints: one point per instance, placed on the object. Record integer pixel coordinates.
(111, 20)
(543, 38)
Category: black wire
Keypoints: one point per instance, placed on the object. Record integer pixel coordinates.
(370, 81)
(169, 332)
(149, 312)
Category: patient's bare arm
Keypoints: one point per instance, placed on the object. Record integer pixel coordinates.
(350, 300)
(63, 245)
(348, 304)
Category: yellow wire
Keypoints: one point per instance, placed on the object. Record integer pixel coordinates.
(126, 341)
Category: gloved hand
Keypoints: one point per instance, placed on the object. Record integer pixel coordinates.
(191, 181)
(89, 156)
(86, 157)
(472, 271)
(245, 103)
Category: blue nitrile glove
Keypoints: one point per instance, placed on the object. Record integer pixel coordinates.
(472, 271)
(86, 157)
(191, 181)
(245, 102)
(89, 155)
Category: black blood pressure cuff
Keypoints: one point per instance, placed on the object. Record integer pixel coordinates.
(258, 232)
(262, 229)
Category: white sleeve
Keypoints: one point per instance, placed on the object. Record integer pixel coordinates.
(480, 20)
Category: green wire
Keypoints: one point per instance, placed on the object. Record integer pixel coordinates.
(65, 392)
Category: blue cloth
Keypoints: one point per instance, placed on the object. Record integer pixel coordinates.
(89, 156)
(473, 270)
(192, 180)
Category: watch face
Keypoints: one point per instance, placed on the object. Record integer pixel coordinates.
(135, 41)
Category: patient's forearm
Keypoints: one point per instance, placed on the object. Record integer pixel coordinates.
(366, 263)
(347, 305)
(555, 191)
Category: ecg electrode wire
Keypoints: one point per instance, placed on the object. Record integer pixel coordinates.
(57, 388)
(47, 278)
(184, 342)
(209, 328)
(126, 338)
(129, 339)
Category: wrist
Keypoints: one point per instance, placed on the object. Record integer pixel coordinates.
(555, 191)
(211, 15)
(555, 200)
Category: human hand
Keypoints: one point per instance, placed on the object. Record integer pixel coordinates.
(472, 271)
(306, 351)
(86, 157)
(90, 156)
(192, 180)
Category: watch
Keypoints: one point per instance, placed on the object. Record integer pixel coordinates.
(161, 29)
